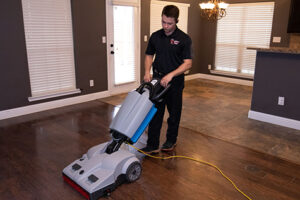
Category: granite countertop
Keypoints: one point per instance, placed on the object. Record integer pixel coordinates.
(276, 50)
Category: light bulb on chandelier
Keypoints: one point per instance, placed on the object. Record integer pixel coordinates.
(213, 10)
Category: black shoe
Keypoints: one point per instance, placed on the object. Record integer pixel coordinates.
(150, 150)
(168, 146)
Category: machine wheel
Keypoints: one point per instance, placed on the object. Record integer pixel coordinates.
(133, 172)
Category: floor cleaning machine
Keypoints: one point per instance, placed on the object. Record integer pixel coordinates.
(105, 166)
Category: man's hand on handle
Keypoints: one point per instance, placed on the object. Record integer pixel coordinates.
(166, 80)
(147, 77)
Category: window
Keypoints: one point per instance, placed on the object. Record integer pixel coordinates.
(49, 43)
(124, 44)
(155, 15)
(245, 25)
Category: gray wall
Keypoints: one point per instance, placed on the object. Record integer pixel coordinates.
(89, 25)
(14, 77)
(277, 74)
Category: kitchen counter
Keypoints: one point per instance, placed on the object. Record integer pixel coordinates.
(276, 50)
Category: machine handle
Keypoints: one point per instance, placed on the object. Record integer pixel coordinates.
(158, 96)
(150, 87)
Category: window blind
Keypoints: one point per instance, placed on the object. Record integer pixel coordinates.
(246, 24)
(49, 43)
(155, 15)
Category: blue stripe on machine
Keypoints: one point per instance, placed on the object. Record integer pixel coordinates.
(144, 124)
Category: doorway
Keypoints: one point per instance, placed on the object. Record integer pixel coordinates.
(123, 45)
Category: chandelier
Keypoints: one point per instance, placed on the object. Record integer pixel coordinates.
(213, 10)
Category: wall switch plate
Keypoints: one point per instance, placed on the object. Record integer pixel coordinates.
(209, 66)
(281, 101)
(91, 83)
(103, 39)
(145, 38)
(276, 39)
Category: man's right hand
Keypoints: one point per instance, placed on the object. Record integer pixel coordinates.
(147, 77)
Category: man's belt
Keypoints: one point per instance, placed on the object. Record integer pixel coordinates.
(159, 73)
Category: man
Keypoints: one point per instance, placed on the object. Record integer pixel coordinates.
(172, 50)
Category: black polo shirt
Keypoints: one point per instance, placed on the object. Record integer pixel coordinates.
(170, 51)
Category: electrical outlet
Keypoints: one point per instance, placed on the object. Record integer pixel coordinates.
(91, 83)
(209, 66)
(281, 101)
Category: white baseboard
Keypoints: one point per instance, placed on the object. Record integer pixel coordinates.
(219, 78)
(5, 114)
(232, 74)
(290, 123)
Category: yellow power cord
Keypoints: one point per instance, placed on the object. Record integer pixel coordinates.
(197, 160)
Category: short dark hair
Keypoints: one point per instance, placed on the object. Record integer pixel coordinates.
(171, 11)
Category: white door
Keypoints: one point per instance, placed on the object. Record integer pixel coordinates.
(123, 45)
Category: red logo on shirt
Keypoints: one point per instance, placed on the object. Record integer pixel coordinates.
(172, 41)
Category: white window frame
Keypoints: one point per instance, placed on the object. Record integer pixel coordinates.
(237, 44)
(50, 51)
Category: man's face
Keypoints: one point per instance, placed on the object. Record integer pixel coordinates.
(168, 24)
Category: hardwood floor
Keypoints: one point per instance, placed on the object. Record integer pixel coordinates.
(220, 110)
(35, 148)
